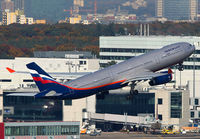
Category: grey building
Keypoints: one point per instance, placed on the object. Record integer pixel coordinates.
(177, 9)
(19, 5)
(7, 4)
(64, 54)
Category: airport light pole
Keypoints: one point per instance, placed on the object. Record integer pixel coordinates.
(175, 76)
(69, 63)
(125, 119)
(180, 80)
(194, 59)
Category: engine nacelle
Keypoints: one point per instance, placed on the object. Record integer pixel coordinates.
(161, 80)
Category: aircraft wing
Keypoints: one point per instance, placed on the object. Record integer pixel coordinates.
(145, 75)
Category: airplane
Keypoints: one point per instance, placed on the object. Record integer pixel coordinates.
(129, 72)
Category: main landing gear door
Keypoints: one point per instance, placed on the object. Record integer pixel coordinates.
(71, 91)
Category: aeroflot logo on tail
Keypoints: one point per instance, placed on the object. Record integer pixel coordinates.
(171, 49)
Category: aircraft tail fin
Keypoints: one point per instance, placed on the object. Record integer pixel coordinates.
(34, 66)
(40, 77)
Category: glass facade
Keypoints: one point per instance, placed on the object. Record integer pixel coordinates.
(176, 9)
(129, 50)
(31, 109)
(68, 102)
(160, 117)
(192, 114)
(42, 130)
(120, 104)
(196, 101)
(176, 105)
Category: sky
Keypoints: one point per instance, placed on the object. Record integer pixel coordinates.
(51, 10)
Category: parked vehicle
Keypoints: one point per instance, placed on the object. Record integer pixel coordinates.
(98, 130)
(191, 129)
(94, 133)
(83, 131)
(170, 130)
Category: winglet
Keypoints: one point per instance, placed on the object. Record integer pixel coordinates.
(170, 71)
(10, 70)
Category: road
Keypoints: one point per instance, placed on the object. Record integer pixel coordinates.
(119, 135)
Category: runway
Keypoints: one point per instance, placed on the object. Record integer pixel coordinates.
(120, 135)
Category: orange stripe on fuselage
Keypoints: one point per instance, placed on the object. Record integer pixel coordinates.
(49, 81)
(97, 86)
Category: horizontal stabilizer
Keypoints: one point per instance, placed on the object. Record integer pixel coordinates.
(22, 94)
(10, 70)
(56, 74)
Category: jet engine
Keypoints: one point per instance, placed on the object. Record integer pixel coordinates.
(161, 79)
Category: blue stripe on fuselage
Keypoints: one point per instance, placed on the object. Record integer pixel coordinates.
(75, 94)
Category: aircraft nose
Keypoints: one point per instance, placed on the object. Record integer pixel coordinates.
(192, 47)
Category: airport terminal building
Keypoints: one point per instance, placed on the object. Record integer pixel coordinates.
(110, 113)
(40, 130)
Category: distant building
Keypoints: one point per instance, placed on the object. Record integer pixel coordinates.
(9, 17)
(7, 4)
(29, 20)
(15, 17)
(78, 2)
(40, 21)
(19, 5)
(85, 22)
(159, 8)
(193, 9)
(21, 19)
(176, 9)
(120, 18)
(75, 19)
